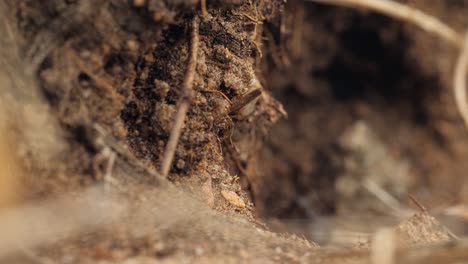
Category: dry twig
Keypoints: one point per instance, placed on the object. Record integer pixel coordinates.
(203, 8)
(418, 204)
(184, 101)
(218, 92)
(459, 81)
(405, 13)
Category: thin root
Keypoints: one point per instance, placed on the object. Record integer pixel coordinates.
(459, 82)
(218, 92)
(405, 13)
(418, 204)
(184, 101)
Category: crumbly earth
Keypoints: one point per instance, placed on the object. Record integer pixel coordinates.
(109, 75)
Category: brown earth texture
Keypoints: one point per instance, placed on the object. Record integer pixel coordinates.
(313, 132)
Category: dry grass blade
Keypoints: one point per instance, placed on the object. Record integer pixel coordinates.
(460, 82)
(184, 101)
(405, 13)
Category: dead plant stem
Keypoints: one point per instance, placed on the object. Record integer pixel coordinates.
(184, 100)
(204, 10)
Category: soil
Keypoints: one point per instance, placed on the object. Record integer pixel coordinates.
(352, 105)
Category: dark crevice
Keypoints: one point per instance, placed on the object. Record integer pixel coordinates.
(366, 69)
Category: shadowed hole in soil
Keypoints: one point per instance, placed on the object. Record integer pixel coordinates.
(364, 73)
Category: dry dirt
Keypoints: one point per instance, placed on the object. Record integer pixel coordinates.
(355, 130)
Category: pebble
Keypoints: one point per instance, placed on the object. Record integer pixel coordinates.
(233, 198)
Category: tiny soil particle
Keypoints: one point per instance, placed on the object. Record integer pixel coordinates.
(233, 198)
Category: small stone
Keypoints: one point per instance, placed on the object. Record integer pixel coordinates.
(158, 16)
(233, 198)
(149, 58)
(138, 3)
(132, 45)
(180, 164)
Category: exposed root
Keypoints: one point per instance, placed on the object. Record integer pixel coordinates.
(220, 93)
(184, 101)
(459, 82)
(405, 13)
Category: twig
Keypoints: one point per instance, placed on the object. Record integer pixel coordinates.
(459, 81)
(418, 204)
(218, 92)
(405, 13)
(256, 34)
(184, 101)
(203, 8)
(251, 18)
